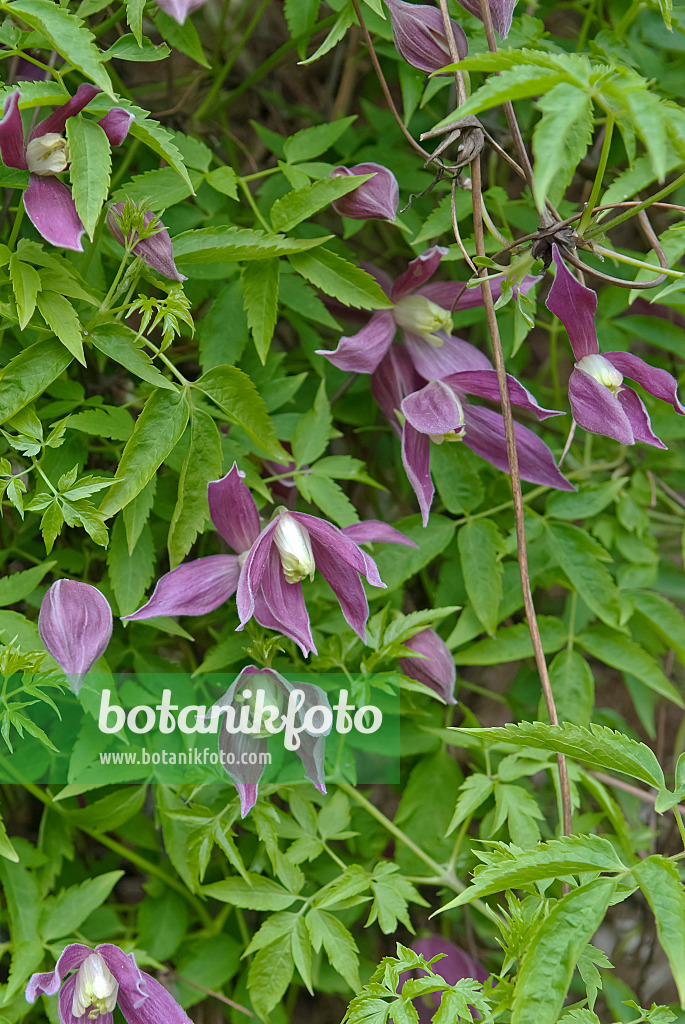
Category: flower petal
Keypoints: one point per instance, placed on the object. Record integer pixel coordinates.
(419, 34)
(435, 409)
(233, 511)
(65, 1003)
(419, 270)
(312, 747)
(363, 351)
(141, 998)
(575, 306)
(192, 588)
(436, 362)
(374, 530)
(48, 984)
(116, 124)
(638, 417)
(597, 409)
(484, 384)
(56, 121)
(501, 12)
(52, 212)
(377, 198)
(12, 133)
(75, 625)
(341, 546)
(280, 605)
(657, 382)
(394, 378)
(486, 437)
(252, 572)
(436, 669)
(416, 462)
(244, 776)
(345, 583)
(180, 9)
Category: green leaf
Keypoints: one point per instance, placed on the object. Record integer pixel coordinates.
(130, 573)
(511, 84)
(6, 849)
(60, 316)
(338, 277)
(137, 512)
(238, 398)
(26, 284)
(573, 687)
(345, 18)
(597, 746)
(158, 429)
(90, 166)
(224, 180)
(581, 504)
(580, 556)
(661, 884)
(182, 37)
(328, 496)
(162, 924)
(546, 968)
(269, 974)
(23, 908)
(474, 791)
(431, 540)
(67, 33)
(650, 116)
(512, 643)
(298, 205)
(134, 17)
(455, 472)
(20, 585)
(254, 893)
(301, 16)
(663, 617)
(391, 896)
(63, 913)
(29, 373)
(119, 343)
(202, 463)
(260, 300)
(158, 189)
(560, 140)
(104, 421)
(211, 245)
(325, 929)
(127, 47)
(313, 430)
(480, 547)
(617, 650)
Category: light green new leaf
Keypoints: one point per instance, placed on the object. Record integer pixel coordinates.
(66, 32)
(29, 373)
(580, 556)
(60, 316)
(236, 395)
(298, 205)
(202, 463)
(325, 929)
(6, 849)
(90, 165)
(119, 343)
(260, 301)
(269, 974)
(312, 432)
(158, 429)
(546, 968)
(26, 284)
(560, 140)
(338, 277)
(134, 17)
(619, 651)
(63, 913)
(480, 545)
(20, 585)
(663, 889)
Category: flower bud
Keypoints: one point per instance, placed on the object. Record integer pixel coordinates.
(155, 250)
(423, 317)
(48, 154)
(419, 34)
(501, 12)
(377, 198)
(437, 669)
(75, 625)
(95, 989)
(602, 370)
(294, 547)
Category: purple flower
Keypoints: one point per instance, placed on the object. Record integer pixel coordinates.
(265, 689)
(75, 625)
(155, 250)
(105, 977)
(454, 965)
(436, 669)
(180, 9)
(423, 313)
(436, 411)
(419, 34)
(600, 401)
(48, 201)
(270, 565)
(501, 12)
(376, 199)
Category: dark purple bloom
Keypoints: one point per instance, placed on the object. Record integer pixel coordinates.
(423, 411)
(266, 689)
(180, 9)
(453, 967)
(75, 625)
(155, 250)
(422, 312)
(375, 199)
(270, 565)
(501, 12)
(105, 977)
(436, 669)
(419, 34)
(600, 401)
(47, 200)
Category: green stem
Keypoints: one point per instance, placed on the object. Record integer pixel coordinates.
(599, 177)
(214, 93)
(167, 362)
(17, 224)
(631, 261)
(253, 205)
(679, 822)
(602, 227)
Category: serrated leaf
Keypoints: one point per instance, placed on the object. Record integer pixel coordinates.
(475, 790)
(6, 849)
(580, 556)
(182, 37)
(312, 432)
(344, 20)
(90, 165)
(253, 893)
(26, 285)
(328, 496)
(224, 180)
(63, 913)
(560, 140)
(104, 421)
(661, 884)
(130, 573)
(325, 929)
(202, 464)
(338, 277)
(137, 512)
(20, 585)
(29, 373)
(480, 547)
(119, 343)
(234, 393)
(260, 301)
(511, 84)
(269, 975)
(512, 643)
(158, 189)
(301, 16)
(134, 17)
(210, 245)
(60, 316)
(619, 651)
(296, 206)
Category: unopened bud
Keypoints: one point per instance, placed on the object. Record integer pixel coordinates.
(436, 669)
(75, 625)
(294, 547)
(419, 34)
(375, 199)
(156, 250)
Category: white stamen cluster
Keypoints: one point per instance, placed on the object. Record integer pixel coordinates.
(95, 990)
(294, 547)
(47, 154)
(421, 316)
(602, 370)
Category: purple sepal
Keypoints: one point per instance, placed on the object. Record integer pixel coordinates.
(575, 306)
(156, 250)
(434, 410)
(52, 212)
(362, 352)
(12, 134)
(280, 605)
(416, 462)
(486, 437)
(375, 199)
(116, 124)
(438, 362)
(421, 269)
(501, 12)
(419, 34)
(436, 669)
(192, 588)
(48, 984)
(373, 530)
(484, 384)
(639, 418)
(180, 9)
(657, 382)
(597, 409)
(56, 121)
(75, 625)
(233, 511)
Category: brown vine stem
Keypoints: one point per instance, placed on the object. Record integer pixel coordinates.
(454, 52)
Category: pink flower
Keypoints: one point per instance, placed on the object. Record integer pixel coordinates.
(436, 669)
(375, 199)
(419, 35)
(75, 625)
(180, 9)
(156, 250)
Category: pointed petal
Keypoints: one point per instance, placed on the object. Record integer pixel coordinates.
(280, 605)
(65, 1003)
(362, 352)
(416, 462)
(453, 356)
(484, 384)
(436, 669)
(340, 546)
(345, 583)
(234, 751)
(373, 530)
(657, 382)
(501, 12)
(486, 437)
(75, 625)
(248, 796)
(575, 306)
(56, 121)
(597, 409)
(192, 588)
(312, 747)
(49, 982)
(377, 198)
(141, 998)
(421, 269)
(12, 134)
(52, 212)
(419, 34)
(394, 378)
(116, 124)
(180, 9)
(252, 572)
(233, 511)
(638, 417)
(435, 409)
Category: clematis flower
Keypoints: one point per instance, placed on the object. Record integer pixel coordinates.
(436, 669)
(454, 965)
(267, 689)
(423, 411)
(155, 250)
(180, 9)
(501, 12)
(375, 199)
(422, 311)
(600, 400)
(419, 34)
(105, 977)
(47, 200)
(266, 575)
(75, 625)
